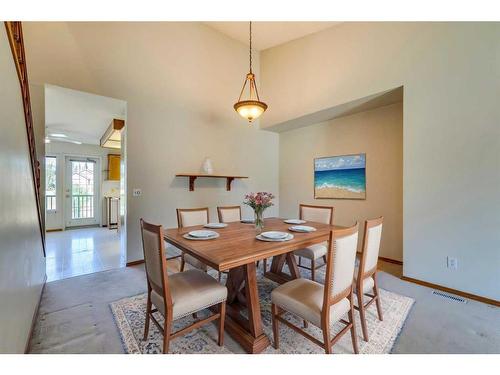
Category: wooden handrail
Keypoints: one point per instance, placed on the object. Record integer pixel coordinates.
(15, 36)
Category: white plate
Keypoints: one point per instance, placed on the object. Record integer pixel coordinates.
(287, 238)
(274, 235)
(202, 233)
(294, 221)
(215, 225)
(188, 237)
(302, 228)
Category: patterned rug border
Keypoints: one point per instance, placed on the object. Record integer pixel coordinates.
(122, 325)
(130, 344)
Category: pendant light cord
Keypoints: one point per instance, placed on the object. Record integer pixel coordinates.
(250, 46)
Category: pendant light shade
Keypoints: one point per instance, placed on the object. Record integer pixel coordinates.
(250, 108)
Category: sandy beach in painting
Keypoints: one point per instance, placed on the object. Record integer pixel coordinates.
(329, 192)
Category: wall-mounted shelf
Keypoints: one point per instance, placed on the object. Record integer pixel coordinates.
(192, 177)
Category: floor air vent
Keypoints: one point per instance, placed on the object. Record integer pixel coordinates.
(449, 296)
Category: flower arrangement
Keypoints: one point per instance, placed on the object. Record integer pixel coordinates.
(259, 202)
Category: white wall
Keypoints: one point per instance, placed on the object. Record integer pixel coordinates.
(22, 264)
(56, 220)
(451, 78)
(180, 81)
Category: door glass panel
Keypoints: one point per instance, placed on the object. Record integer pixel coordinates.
(82, 189)
(50, 182)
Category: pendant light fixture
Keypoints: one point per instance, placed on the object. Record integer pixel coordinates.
(252, 107)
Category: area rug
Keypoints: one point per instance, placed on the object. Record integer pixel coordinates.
(130, 312)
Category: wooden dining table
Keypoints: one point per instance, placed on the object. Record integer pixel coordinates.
(236, 251)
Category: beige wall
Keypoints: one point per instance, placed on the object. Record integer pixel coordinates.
(451, 78)
(180, 81)
(377, 133)
(22, 265)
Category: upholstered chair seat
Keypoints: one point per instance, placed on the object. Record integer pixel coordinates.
(313, 252)
(191, 291)
(304, 298)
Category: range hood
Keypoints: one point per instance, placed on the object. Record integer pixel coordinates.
(112, 137)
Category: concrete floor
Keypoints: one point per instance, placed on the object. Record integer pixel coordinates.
(81, 320)
(81, 251)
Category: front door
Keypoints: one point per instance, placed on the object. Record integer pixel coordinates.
(81, 191)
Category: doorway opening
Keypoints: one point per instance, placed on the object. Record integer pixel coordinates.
(85, 180)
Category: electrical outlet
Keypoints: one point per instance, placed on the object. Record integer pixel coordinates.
(452, 263)
(136, 192)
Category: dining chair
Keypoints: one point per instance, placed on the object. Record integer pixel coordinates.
(187, 217)
(320, 214)
(322, 305)
(229, 214)
(177, 295)
(366, 275)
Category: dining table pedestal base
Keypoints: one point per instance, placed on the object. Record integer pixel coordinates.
(276, 273)
(243, 297)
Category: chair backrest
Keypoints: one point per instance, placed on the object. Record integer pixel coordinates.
(341, 258)
(229, 214)
(188, 217)
(371, 247)
(154, 259)
(319, 214)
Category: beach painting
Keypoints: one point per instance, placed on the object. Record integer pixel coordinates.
(340, 177)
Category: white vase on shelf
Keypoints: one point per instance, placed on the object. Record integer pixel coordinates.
(207, 166)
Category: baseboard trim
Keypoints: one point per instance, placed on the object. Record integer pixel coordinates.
(54, 230)
(475, 297)
(389, 260)
(27, 347)
(135, 263)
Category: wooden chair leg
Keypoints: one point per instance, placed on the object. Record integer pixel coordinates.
(313, 270)
(183, 263)
(222, 310)
(276, 330)
(362, 318)
(148, 318)
(377, 301)
(354, 337)
(166, 335)
(326, 339)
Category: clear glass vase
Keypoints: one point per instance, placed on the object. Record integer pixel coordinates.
(259, 219)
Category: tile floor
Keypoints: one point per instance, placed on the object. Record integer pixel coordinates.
(81, 251)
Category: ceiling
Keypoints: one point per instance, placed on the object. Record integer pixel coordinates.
(81, 116)
(269, 34)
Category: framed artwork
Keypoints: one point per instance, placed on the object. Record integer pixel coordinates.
(340, 177)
